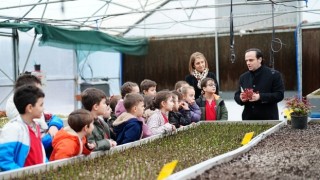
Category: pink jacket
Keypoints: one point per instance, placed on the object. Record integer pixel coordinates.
(157, 124)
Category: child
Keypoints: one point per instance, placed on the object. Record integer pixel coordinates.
(211, 105)
(94, 100)
(113, 102)
(130, 87)
(148, 104)
(148, 87)
(127, 126)
(175, 117)
(127, 87)
(188, 96)
(71, 140)
(49, 124)
(20, 139)
(179, 85)
(158, 122)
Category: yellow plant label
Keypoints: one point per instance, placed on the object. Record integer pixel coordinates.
(167, 170)
(247, 138)
(287, 113)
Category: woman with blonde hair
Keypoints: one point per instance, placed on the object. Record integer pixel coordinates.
(198, 68)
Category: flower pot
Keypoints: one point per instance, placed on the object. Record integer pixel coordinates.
(299, 122)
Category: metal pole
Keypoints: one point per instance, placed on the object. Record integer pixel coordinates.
(232, 51)
(15, 43)
(28, 57)
(272, 40)
(299, 52)
(217, 51)
(217, 58)
(76, 79)
(34, 39)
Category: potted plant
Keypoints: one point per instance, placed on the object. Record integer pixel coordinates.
(300, 108)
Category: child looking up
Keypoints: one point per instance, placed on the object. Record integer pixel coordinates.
(127, 126)
(188, 97)
(211, 105)
(175, 117)
(71, 140)
(158, 122)
(148, 87)
(94, 100)
(20, 139)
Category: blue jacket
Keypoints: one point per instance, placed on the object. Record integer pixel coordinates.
(47, 139)
(127, 128)
(15, 145)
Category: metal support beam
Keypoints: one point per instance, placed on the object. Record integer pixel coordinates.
(30, 9)
(33, 4)
(94, 14)
(217, 58)
(298, 34)
(146, 15)
(15, 43)
(34, 39)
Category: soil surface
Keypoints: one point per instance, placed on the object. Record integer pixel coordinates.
(286, 154)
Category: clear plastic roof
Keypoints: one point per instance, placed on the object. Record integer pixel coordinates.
(143, 17)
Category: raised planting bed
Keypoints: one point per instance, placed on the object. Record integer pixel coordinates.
(286, 154)
(144, 161)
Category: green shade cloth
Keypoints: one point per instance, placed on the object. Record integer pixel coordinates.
(88, 40)
(19, 26)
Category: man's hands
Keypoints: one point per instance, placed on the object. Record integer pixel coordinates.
(249, 95)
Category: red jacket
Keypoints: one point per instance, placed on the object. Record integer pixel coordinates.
(66, 144)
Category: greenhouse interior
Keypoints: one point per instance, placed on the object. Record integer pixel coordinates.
(73, 46)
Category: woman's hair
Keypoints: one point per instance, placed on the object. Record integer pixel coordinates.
(127, 88)
(184, 90)
(193, 58)
(160, 97)
(179, 84)
(205, 81)
(79, 119)
(131, 100)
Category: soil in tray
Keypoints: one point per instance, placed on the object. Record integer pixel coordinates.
(286, 154)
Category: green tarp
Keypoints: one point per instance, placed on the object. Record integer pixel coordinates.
(88, 40)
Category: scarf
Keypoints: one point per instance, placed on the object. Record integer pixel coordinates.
(200, 76)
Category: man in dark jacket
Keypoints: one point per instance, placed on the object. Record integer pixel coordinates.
(267, 86)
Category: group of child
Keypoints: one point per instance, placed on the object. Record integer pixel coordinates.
(103, 122)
